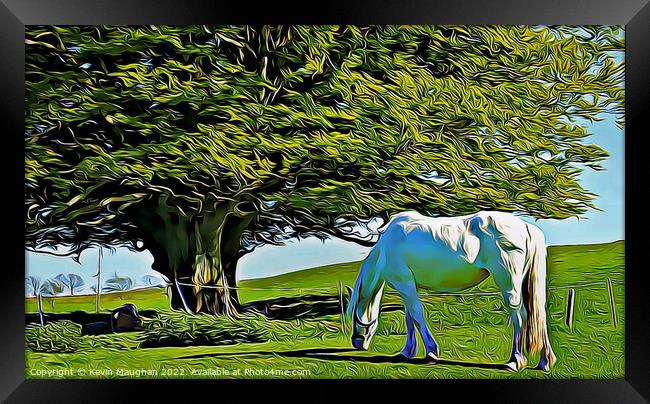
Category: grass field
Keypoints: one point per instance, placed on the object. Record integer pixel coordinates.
(471, 331)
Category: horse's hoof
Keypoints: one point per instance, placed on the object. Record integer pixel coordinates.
(516, 363)
(407, 355)
(545, 363)
(432, 358)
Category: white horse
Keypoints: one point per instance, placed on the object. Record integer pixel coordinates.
(450, 254)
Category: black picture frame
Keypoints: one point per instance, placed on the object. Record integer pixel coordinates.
(16, 14)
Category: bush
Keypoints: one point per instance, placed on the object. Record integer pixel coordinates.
(300, 330)
(57, 336)
(182, 329)
(116, 342)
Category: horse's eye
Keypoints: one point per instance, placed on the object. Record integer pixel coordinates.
(508, 246)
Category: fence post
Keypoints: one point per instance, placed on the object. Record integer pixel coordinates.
(345, 328)
(180, 293)
(569, 307)
(98, 286)
(612, 304)
(39, 299)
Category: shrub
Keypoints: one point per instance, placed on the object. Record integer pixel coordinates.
(57, 336)
(300, 330)
(116, 342)
(182, 329)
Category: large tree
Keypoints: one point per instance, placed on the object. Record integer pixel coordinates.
(200, 143)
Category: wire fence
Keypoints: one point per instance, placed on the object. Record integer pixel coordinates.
(338, 290)
(248, 288)
(335, 289)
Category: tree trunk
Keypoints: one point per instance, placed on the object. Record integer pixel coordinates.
(213, 293)
(214, 296)
(199, 254)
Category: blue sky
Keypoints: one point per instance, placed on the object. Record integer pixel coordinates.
(604, 226)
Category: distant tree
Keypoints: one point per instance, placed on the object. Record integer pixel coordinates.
(200, 143)
(34, 285)
(51, 288)
(35, 288)
(118, 283)
(150, 280)
(73, 282)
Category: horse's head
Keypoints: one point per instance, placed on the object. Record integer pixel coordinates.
(364, 318)
(362, 333)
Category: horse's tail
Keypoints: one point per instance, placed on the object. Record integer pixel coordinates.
(536, 329)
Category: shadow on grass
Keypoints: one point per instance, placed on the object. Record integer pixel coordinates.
(91, 323)
(344, 355)
(308, 306)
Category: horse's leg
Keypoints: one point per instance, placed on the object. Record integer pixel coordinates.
(547, 357)
(409, 294)
(517, 358)
(411, 347)
(512, 297)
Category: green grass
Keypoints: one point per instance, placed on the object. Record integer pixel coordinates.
(471, 332)
(315, 281)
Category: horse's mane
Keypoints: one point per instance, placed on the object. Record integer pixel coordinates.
(396, 218)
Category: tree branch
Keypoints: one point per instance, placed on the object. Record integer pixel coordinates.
(360, 241)
(50, 252)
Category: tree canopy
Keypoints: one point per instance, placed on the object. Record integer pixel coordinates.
(118, 283)
(200, 143)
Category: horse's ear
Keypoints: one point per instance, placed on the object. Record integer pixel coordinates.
(347, 295)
